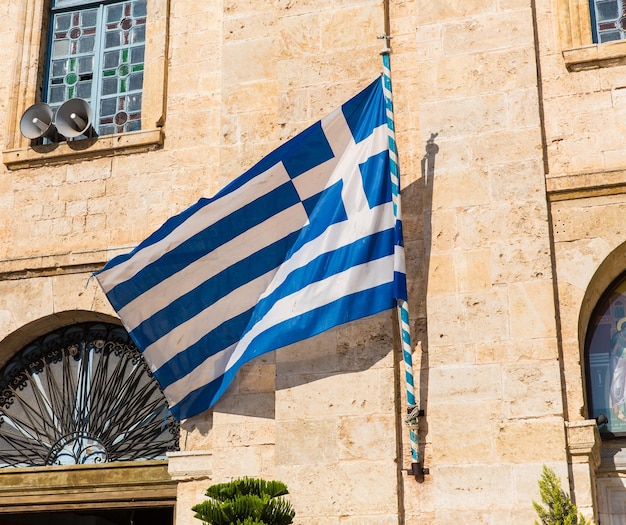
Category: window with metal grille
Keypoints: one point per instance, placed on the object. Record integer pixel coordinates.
(96, 52)
(82, 395)
(608, 20)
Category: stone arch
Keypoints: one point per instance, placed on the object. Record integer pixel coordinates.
(14, 341)
(611, 270)
(116, 486)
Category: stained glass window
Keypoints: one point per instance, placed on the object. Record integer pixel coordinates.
(608, 20)
(82, 395)
(606, 361)
(96, 53)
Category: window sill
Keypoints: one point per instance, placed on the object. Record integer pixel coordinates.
(106, 146)
(595, 56)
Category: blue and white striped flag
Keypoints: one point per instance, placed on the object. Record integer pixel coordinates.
(304, 241)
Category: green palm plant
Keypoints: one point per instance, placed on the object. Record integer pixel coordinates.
(246, 501)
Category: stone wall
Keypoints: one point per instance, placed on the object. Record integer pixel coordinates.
(487, 115)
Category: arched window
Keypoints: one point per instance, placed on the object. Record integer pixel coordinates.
(82, 395)
(605, 352)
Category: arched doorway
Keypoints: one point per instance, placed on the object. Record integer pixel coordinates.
(84, 432)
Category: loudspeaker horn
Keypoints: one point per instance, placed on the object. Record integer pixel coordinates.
(74, 118)
(36, 122)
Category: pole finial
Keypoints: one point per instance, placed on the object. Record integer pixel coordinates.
(386, 50)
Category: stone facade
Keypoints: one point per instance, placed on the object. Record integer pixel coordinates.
(509, 130)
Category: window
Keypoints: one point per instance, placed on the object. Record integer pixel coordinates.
(128, 97)
(607, 20)
(591, 33)
(96, 52)
(606, 361)
(82, 395)
(84, 432)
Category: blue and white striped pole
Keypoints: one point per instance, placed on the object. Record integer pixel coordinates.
(403, 309)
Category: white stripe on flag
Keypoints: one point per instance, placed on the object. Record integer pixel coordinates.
(193, 275)
(205, 217)
(192, 330)
(357, 278)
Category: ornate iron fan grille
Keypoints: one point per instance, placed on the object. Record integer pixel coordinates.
(82, 394)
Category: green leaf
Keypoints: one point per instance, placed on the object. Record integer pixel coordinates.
(246, 501)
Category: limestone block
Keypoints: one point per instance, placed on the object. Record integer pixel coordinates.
(356, 346)
(516, 351)
(251, 97)
(468, 116)
(249, 26)
(473, 487)
(369, 437)
(196, 432)
(507, 182)
(74, 292)
(498, 223)
(481, 73)
(468, 418)
(249, 60)
(476, 516)
(27, 299)
(7, 324)
(473, 270)
(574, 390)
(183, 466)
(188, 494)
(450, 11)
(526, 475)
(307, 441)
(319, 395)
(486, 33)
(467, 318)
(613, 158)
(470, 383)
(531, 310)
(241, 431)
(457, 354)
(252, 461)
(363, 19)
(444, 230)
(532, 389)
(296, 72)
(530, 441)
(523, 144)
(341, 490)
(519, 102)
(257, 377)
(236, 408)
(462, 188)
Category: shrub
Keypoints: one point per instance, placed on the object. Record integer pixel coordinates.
(246, 501)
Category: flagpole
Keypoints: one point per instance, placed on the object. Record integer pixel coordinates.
(402, 306)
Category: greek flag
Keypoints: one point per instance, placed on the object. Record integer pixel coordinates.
(304, 241)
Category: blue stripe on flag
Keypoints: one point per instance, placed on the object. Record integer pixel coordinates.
(204, 242)
(328, 264)
(214, 341)
(344, 310)
(303, 241)
(216, 287)
(362, 124)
